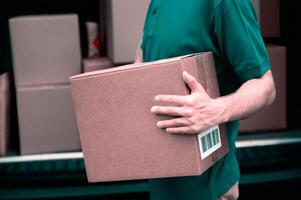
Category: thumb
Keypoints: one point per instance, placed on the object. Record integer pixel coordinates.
(192, 83)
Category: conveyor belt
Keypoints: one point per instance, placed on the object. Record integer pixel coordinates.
(263, 157)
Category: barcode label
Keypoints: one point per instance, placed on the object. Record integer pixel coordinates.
(209, 141)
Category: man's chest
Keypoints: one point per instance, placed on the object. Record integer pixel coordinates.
(178, 26)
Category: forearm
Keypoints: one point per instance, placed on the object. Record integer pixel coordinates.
(250, 98)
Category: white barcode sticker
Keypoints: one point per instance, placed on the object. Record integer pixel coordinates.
(209, 141)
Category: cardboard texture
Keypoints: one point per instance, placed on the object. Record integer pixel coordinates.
(118, 133)
(124, 25)
(273, 117)
(45, 49)
(268, 15)
(4, 112)
(93, 64)
(47, 121)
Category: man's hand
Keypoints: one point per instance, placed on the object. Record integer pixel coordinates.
(198, 112)
(194, 113)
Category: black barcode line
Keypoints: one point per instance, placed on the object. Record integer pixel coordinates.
(212, 136)
(215, 137)
(208, 142)
(203, 144)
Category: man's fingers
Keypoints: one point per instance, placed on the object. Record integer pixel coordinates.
(176, 122)
(172, 99)
(181, 130)
(169, 110)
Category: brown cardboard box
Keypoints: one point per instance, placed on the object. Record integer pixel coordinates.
(4, 112)
(273, 117)
(124, 26)
(45, 49)
(118, 133)
(93, 64)
(268, 14)
(47, 121)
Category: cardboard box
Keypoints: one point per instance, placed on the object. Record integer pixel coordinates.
(273, 117)
(124, 26)
(93, 64)
(118, 133)
(268, 14)
(46, 49)
(47, 121)
(4, 112)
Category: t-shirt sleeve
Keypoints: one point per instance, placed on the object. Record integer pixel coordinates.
(239, 38)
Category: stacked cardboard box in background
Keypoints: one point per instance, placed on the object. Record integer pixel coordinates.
(268, 15)
(46, 51)
(92, 64)
(4, 112)
(124, 26)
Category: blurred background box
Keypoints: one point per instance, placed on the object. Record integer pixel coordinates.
(45, 48)
(268, 15)
(46, 120)
(92, 64)
(124, 26)
(4, 112)
(273, 117)
(46, 51)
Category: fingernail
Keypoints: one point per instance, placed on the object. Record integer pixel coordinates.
(156, 97)
(153, 109)
(159, 124)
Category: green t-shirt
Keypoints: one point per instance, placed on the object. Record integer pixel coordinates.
(229, 29)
